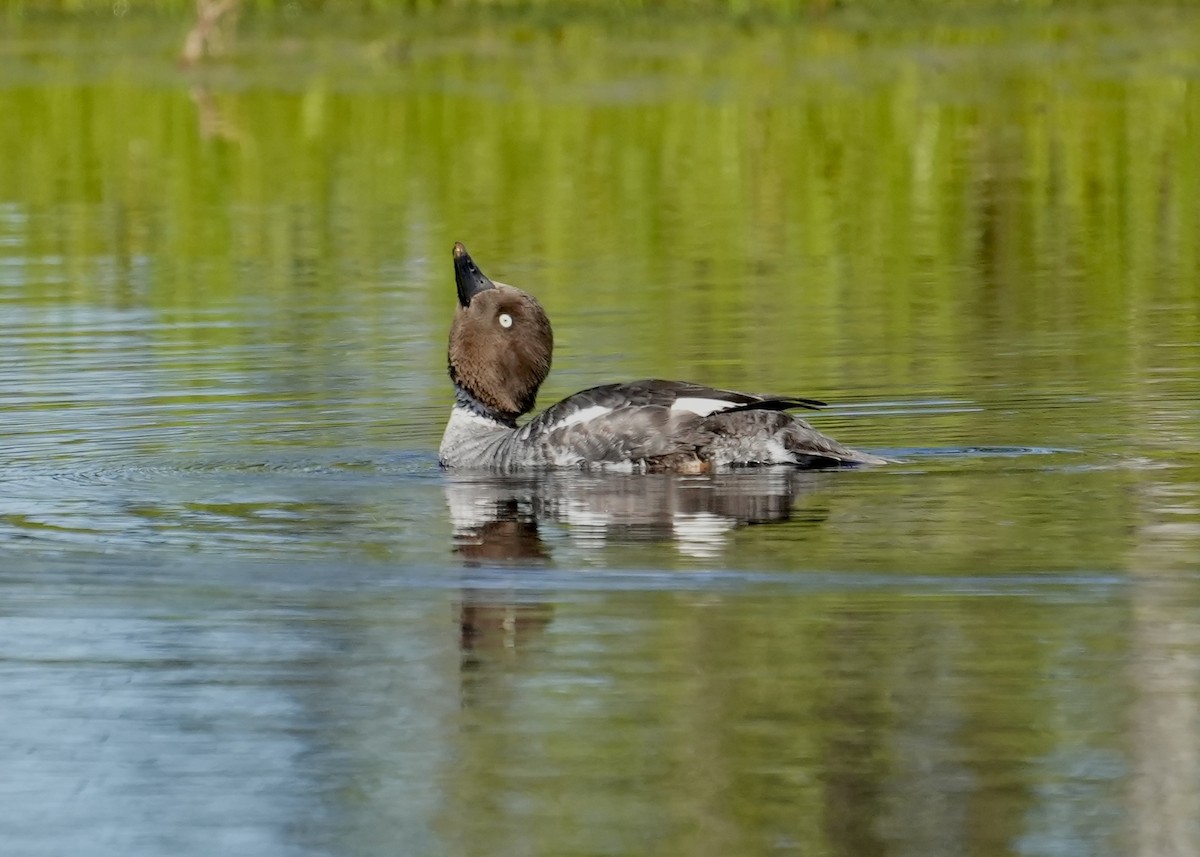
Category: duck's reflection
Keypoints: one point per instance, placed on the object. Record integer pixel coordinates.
(496, 519)
(497, 523)
(509, 535)
(497, 620)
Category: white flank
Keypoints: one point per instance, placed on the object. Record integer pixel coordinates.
(701, 407)
(582, 416)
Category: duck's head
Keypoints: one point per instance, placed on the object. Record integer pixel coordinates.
(500, 341)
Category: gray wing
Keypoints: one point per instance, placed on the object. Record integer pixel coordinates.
(643, 420)
(669, 423)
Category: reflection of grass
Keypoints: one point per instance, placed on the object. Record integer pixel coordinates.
(875, 203)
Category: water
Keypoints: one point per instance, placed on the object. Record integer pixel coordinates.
(244, 612)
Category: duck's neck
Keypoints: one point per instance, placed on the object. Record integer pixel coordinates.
(465, 400)
(476, 438)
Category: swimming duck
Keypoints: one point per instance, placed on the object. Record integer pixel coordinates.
(501, 345)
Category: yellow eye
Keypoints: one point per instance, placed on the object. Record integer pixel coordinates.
(505, 320)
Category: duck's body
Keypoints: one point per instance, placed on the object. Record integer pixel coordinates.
(500, 349)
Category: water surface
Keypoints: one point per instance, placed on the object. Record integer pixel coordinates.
(245, 612)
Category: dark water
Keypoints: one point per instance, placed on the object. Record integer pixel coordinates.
(243, 611)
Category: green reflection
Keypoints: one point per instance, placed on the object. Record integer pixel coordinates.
(887, 209)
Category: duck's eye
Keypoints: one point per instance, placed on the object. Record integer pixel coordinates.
(505, 320)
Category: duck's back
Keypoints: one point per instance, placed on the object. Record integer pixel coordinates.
(678, 426)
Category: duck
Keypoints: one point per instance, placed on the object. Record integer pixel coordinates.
(499, 354)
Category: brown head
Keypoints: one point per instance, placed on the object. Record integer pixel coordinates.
(500, 341)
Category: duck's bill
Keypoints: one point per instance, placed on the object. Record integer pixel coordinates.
(467, 276)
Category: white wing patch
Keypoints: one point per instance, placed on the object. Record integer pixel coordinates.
(581, 416)
(701, 407)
